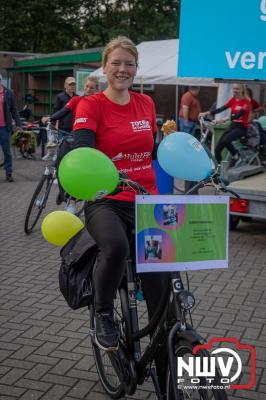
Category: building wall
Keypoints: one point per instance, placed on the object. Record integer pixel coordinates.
(164, 97)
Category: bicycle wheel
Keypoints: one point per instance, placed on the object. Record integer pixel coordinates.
(107, 362)
(194, 391)
(37, 203)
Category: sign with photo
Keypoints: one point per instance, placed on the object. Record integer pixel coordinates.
(180, 233)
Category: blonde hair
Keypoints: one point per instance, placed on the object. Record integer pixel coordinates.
(120, 42)
(94, 79)
(243, 89)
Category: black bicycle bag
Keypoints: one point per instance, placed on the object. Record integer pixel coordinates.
(75, 274)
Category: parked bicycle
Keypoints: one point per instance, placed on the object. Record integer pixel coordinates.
(121, 371)
(41, 194)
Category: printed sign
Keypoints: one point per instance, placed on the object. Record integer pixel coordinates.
(222, 39)
(177, 233)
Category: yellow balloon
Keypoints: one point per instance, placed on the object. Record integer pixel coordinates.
(60, 226)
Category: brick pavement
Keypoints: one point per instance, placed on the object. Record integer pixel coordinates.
(44, 347)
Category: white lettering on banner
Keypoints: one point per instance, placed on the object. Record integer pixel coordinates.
(248, 59)
(263, 10)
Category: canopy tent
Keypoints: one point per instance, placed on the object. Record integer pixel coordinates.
(158, 65)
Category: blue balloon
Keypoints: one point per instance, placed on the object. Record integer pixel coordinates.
(182, 156)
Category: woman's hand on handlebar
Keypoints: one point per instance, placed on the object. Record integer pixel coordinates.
(45, 120)
(204, 114)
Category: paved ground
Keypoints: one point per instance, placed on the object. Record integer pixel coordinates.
(45, 351)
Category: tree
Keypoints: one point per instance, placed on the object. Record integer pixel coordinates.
(38, 25)
(138, 19)
(48, 25)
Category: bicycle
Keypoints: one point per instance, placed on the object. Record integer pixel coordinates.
(249, 152)
(207, 133)
(121, 371)
(40, 196)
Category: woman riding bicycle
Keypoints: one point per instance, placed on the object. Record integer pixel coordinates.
(121, 124)
(240, 108)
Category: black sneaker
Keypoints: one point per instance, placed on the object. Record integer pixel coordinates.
(59, 199)
(234, 160)
(9, 178)
(106, 331)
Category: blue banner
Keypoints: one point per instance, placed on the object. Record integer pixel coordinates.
(222, 39)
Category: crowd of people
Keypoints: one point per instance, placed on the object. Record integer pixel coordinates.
(244, 108)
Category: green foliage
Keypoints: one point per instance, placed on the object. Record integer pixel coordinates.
(48, 25)
(38, 25)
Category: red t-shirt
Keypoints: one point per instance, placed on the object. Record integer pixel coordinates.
(254, 104)
(125, 134)
(238, 105)
(72, 104)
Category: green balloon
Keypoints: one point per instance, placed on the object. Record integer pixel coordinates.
(87, 174)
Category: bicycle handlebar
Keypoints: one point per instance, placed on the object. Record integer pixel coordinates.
(214, 178)
(51, 128)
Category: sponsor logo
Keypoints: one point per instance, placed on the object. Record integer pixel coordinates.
(134, 157)
(139, 126)
(196, 144)
(80, 121)
(118, 157)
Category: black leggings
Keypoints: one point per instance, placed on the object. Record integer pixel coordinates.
(108, 222)
(234, 132)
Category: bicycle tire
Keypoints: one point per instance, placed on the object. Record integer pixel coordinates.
(104, 360)
(41, 193)
(182, 348)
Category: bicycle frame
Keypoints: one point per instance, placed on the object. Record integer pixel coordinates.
(207, 127)
(161, 326)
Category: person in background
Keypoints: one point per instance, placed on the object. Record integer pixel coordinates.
(121, 124)
(190, 109)
(240, 109)
(66, 122)
(254, 105)
(90, 87)
(8, 113)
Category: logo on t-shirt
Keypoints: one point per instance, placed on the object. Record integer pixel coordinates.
(139, 126)
(134, 157)
(118, 157)
(81, 121)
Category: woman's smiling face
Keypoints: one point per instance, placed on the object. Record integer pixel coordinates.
(120, 69)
